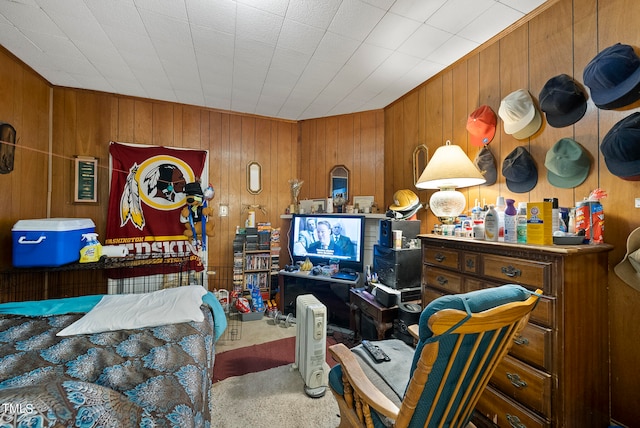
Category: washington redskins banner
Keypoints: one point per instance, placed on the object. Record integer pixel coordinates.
(146, 196)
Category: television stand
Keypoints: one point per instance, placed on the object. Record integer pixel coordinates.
(332, 292)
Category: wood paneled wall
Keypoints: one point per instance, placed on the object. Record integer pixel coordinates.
(24, 103)
(376, 146)
(562, 38)
(355, 141)
(84, 122)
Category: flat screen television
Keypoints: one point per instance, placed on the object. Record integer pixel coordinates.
(325, 237)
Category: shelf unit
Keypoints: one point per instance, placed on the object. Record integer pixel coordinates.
(256, 258)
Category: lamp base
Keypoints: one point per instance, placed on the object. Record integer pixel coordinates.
(448, 220)
(447, 203)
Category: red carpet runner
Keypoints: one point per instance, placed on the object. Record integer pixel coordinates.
(256, 358)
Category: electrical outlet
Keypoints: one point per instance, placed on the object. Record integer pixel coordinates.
(223, 211)
(637, 202)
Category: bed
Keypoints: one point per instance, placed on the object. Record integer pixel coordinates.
(115, 360)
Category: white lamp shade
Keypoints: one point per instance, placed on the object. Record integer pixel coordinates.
(449, 167)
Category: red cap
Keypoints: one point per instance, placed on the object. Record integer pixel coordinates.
(481, 126)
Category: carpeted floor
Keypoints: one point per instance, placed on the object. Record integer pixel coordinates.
(254, 383)
(273, 397)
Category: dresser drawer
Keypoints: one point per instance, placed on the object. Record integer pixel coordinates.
(519, 271)
(440, 257)
(504, 412)
(543, 312)
(534, 345)
(470, 263)
(524, 384)
(443, 279)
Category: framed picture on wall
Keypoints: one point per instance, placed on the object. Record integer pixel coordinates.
(85, 179)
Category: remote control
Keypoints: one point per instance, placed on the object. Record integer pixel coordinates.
(378, 354)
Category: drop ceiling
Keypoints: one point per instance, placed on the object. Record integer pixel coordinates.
(290, 59)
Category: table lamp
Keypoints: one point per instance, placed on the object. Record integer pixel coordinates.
(448, 169)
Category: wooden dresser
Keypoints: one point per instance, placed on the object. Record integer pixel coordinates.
(557, 372)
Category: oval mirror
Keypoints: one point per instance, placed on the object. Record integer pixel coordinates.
(420, 160)
(254, 178)
(339, 182)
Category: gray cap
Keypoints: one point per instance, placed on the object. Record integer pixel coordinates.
(486, 163)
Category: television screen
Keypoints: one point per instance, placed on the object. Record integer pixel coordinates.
(324, 237)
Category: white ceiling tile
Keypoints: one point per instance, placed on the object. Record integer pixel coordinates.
(163, 29)
(485, 26)
(524, 6)
(258, 25)
(335, 48)
(419, 10)
(392, 31)
(212, 43)
(222, 17)
(118, 14)
(355, 19)
(380, 4)
(299, 37)
(457, 14)
(313, 12)
(278, 7)
(452, 50)
(170, 8)
(424, 41)
(28, 18)
(54, 45)
(294, 59)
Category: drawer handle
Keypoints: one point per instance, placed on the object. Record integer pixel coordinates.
(521, 340)
(511, 272)
(516, 381)
(442, 280)
(514, 421)
(440, 257)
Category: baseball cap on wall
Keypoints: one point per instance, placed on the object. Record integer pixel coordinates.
(486, 163)
(520, 171)
(613, 76)
(563, 101)
(567, 164)
(481, 126)
(519, 114)
(621, 148)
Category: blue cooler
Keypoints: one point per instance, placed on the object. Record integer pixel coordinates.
(49, 242)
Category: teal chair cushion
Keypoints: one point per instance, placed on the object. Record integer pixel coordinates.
(472, 302)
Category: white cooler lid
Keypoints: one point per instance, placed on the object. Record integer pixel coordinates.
(53, 224)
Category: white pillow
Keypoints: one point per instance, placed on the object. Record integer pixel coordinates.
(130, 311)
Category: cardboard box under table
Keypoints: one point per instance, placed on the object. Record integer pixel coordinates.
(49, 242)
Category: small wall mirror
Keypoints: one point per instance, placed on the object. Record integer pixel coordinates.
(339, 182)
(254, 178)
(420, 160)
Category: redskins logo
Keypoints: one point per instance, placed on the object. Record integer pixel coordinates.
(159, 183)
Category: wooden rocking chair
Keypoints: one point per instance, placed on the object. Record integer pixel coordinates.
(461, 340)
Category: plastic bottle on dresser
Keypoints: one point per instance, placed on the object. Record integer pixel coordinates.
(500, 207)
(521, 223)
(491, 227)
(555, 213)
(510, 222)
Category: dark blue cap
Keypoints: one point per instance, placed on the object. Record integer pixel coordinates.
(621, 148)
(613, 77)
(563, 101)
(520, 170)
